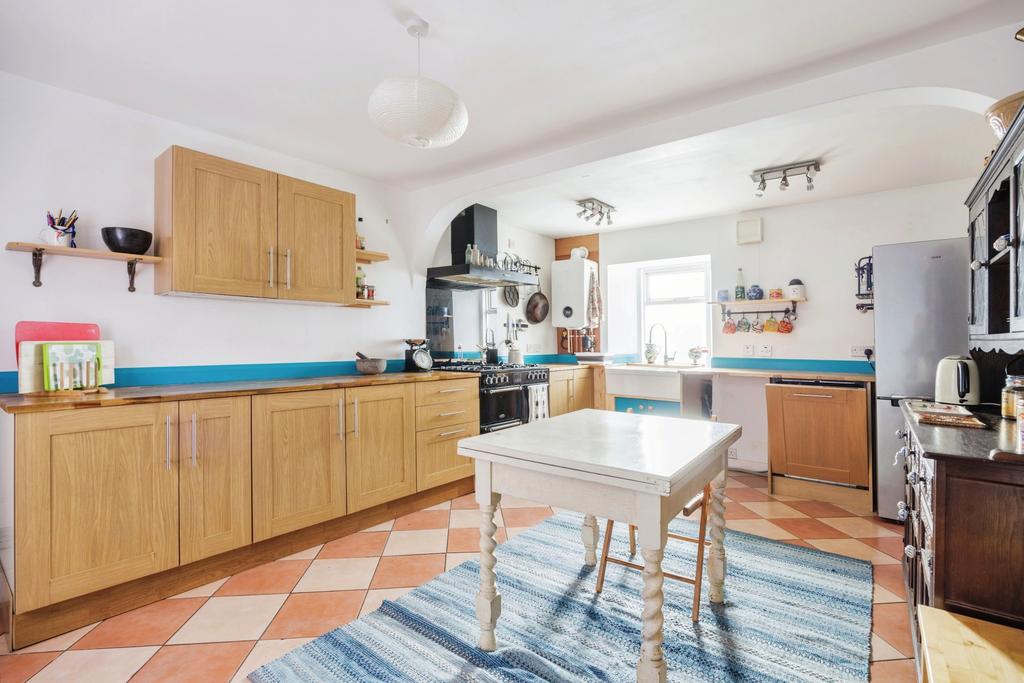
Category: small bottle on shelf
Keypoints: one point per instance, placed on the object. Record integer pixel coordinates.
(741, 292)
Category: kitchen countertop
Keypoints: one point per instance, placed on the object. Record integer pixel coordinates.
(737, 372)
(17, 403)
(995, 443)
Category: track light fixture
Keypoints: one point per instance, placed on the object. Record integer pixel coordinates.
(595, 208)
(785, 173)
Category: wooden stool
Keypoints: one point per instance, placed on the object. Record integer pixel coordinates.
(701, 501)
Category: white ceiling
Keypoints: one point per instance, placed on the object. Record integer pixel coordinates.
(535, 74)
(863, 147)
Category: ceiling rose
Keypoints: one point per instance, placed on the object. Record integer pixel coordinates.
(418, 111)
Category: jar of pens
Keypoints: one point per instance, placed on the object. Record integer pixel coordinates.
(60, 230)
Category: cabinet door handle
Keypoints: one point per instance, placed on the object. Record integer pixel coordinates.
(455, 412)
(270, 281)
(572, 389)
(355, 417)
(451, 391)
(195, 444)
(814, 395)
(341, 419)
(454, 431)
(167, 442)
(288, 269)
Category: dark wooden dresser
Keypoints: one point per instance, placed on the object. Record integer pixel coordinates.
(964, 520)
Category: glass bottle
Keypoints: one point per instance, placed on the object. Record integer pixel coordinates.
(741, 292)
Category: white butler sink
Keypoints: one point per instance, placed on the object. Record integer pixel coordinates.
(644, 381)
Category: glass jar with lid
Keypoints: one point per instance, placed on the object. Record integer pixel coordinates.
(1013, 387)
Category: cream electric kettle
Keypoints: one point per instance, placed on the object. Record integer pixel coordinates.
(956, 381)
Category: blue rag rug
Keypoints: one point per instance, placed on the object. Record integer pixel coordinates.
(791, 614)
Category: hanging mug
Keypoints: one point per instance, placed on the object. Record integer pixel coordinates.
(757, 327)
(786, 324)
(729, 326)
(771, 324)
(743, 325)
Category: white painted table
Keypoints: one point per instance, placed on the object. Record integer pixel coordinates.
(638, 469)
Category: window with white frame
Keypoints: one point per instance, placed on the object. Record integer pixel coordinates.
(674, 297)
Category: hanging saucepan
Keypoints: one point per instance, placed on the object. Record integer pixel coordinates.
(537, 307)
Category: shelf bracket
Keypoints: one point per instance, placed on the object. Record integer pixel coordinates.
(131, 274)
(37, 266)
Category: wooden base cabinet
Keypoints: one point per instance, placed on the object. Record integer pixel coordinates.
(298, 460)
(215, 476)
(437, 460)
(96, 494)
(381, 444)
(570, 389)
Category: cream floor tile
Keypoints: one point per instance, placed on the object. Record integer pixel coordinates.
(113, 665)
(858, 527)
(383, 526)
(783, 498)
(510, 502)
(58, 643)
(773, 509)
(511, 531)
(236, 617)
(423, 542)
(344, 574)
(307, 554)
(375, 597)
(881, 650)
(453, 560)
(446, 505)
(266, 651)
(466, 519)
(736, 483)
(851, 547)
(760, 527)
(203, 591)
(884, 595)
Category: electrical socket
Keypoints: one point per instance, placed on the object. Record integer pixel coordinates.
(764, 350)
(511, 243)
(734, 454)
(861, 351)
(748, 349)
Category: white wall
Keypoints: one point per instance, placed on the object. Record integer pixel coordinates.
(61, 149)
(818, 243)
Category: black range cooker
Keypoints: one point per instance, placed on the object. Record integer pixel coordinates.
(510, 395)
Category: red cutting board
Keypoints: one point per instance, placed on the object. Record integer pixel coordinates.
(36, 330)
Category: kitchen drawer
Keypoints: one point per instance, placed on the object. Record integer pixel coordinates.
(437, 458)
(459, 431)
(446, 391)
(445, 414)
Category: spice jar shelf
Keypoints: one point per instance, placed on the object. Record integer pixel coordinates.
(39, 250)
(367, 256)
(369, 303)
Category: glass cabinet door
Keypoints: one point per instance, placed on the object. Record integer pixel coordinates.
(979, 252)
(1017, 228)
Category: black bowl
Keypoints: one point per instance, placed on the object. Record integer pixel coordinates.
(127, 240)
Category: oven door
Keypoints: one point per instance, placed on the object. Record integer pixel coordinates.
(501, 405)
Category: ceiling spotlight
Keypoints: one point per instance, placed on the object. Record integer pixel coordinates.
(594, 208)
(760, 188)
(1020, 35)
(609, 221)
(784, 183)
(811, 171)
(580, 213)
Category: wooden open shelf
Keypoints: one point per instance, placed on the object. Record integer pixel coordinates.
(39, 250)
(367, 256)
(758, 302)
(369, 303)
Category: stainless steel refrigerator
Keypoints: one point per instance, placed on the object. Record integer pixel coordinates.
(921, 306)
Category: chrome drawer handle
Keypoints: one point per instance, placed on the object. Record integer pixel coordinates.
(814, 395)
(455, 412)
(270, 283)
(341, 419)
(167, 445)
(454, 431)
(195, 440)
(288, 269)
(451, 391)
(355, 417)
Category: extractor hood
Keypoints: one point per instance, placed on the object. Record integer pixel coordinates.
(477, 225)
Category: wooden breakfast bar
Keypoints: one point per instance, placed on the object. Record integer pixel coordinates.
(638, 469)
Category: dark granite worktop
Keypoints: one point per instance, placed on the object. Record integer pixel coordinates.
(995, 443)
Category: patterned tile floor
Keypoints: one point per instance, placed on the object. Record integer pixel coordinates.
(224, 630)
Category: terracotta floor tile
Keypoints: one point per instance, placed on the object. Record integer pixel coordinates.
(307, 554)
(774, 510)
(747, 495)
(889, 546)
(799, 542)
(511, 502)
(890, 577)
(894, 527)
(525, 516)
(895, 671)
(881, 594)
(815, 508)
(225, 619)
(149, 625)
(751, 480)
(211, 662)
(851, 547)
(203, 591)
(466, 502)
(264, 652)
(59, 643)
(733, 481)
(267, 579)
(308, 615)
(892, 623)
(342, 574)
(443, 505)
(461, 519)
(407, 570)
(424, 519)
(882, 651)
(760, 527)
(468, 540)
(363, 544)
(808, 528)
(857, 527)
(416, 542)
(734, 510)
(20, 668)
(112, 665)
(374, 598)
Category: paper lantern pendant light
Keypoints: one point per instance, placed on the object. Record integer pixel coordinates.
(418, 111)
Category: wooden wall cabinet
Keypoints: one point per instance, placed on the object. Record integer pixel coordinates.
(381, 441)
(298, 460)
(819, 433)
(230, 229)
(215, 476)
(97, 499)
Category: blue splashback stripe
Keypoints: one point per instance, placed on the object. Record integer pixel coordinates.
(254, 372)
(794, 364)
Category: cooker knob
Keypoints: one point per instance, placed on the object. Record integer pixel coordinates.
(901, 514)
(900, 434)
(910, 551)
(912, 477)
